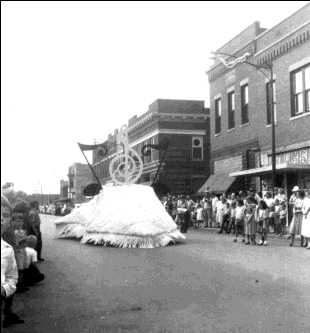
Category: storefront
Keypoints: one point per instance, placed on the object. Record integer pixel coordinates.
(287, 176)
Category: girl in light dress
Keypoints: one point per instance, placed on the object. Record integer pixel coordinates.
(250, 222)
(239, 220)
(306, 220)
(295, 229)
(220, 211)
(263, 222)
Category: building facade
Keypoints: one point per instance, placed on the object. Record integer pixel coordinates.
(79, 175)
(182, 122)
(64, 185)
(240, 108)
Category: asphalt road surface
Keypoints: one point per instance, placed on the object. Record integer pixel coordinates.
(209, 284)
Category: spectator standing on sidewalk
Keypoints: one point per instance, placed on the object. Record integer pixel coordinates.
(207, 210)
(220, 211)
(271, 207)
(291, 204)
(295, 229)
(35, 227)
(214, 208)
(306, 220)
(263, 222)
(250, 222)
(239, 220)
(282, 216)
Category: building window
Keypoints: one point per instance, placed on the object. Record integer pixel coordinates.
(218, 113)
(152, 142)
(245, 104)
(197, 147)
(231, 110)
(268, 94)
(300, 83)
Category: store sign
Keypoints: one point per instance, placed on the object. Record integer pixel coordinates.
(300, 156)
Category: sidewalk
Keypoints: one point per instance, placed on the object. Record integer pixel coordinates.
(216, 230)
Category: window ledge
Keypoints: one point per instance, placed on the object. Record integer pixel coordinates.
(231, 129)
(217, 134)
(267, 126)
(300, 115)
(246, 124)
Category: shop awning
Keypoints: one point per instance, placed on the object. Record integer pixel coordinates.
(280, 168)
(218, 183)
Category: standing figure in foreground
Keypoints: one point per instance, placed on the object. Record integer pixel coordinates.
(239, 220)
(306, 220)
(263, 222)
(295, 229)
(9, 272)
(34, 224)
(250, 223)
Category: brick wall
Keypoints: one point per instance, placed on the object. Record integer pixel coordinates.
(257, 133)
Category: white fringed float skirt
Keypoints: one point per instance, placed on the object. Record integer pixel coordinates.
(123, 216)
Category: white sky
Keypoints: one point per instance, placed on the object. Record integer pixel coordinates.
(75, 71)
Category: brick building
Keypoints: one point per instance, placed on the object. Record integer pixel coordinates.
(240, 113)
(79, 176)
(64, 185)
(186, 125)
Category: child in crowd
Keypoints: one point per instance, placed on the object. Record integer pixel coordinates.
(32, 274)
(232, 219)
(250, 223)
(226, 217)
(276, 216)
(239, 220)
(263, 221)
(193, 216)
(20, 253)
(186, 221)
(199, 217)
(34, 224)
(282, 216)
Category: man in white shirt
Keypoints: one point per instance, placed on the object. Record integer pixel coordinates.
(214, 208)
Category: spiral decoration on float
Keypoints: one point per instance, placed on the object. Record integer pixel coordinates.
(127, 166)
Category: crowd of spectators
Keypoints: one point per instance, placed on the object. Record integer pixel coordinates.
(250, 215)
(21, 248)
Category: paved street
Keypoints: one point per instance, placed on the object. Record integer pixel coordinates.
(210, 284)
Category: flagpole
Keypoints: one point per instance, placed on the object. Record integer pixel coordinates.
(98, 181)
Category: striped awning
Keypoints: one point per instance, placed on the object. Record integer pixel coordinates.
(218, 183)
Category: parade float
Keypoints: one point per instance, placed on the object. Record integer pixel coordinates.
(125, 214)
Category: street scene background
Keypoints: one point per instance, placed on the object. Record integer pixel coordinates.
(209, 284)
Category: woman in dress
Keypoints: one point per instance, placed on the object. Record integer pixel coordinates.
(305, 232)
(250, 223)
(295, 229)
(263, 222)
(220, 211)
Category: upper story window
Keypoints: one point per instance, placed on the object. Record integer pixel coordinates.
(218, 113)
(269, 100)
(152, 142)
(231, 110)
(245, 104)
(300, 87)
(197, 147)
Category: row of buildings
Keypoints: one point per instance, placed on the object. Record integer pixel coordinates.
(227, 147)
